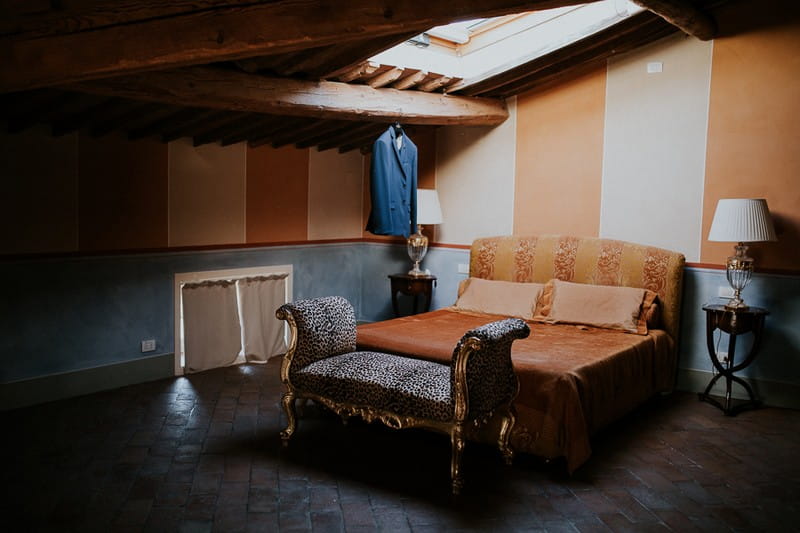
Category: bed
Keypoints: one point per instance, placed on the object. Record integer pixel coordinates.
(575, 378)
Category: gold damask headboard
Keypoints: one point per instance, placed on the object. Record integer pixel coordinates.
(584, 260)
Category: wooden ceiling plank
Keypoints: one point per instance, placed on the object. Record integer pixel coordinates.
(384, 79)
(258, 124)
(157, 126)
(295, 133)
(349, 134)
(363, 69)
(265, 136)
(21, 121)
(334, 59)
(363, 142)
(410, 81)
(220, 31)
(228, 125)
(322, 133)
(432, 85)
(684, 15)
(187, 128)
(118, 120)
(238, 91)
(84, 118)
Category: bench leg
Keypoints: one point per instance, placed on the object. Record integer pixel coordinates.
(504, 440)
(457, 442)
(291, 416)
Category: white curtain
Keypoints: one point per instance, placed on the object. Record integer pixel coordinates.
(262, 333)
(212, 335)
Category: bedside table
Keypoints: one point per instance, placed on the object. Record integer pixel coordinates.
(734, 322)
(412, 286)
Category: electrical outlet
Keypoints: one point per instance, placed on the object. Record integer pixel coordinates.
(149, 345)
(463, 268)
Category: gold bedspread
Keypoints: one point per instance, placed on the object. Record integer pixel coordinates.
(573, 380)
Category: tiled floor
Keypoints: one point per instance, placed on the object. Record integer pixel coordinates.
(203, 454)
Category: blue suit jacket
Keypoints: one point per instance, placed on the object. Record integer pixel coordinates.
(393, 186)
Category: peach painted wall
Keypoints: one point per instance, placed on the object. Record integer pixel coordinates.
(40, 192)
(560, 158)
(123, 193)
(754, 126)
(335, 184)
(206, 193)
(277, 194)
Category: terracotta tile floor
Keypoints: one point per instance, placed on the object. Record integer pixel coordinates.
(203, 454)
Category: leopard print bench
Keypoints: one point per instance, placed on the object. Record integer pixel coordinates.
(322, 364)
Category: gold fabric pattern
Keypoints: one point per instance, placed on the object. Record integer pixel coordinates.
(524, 250)
(655, 271)
(484, 259)
(584, 260)
(567, 249)
(608, 263)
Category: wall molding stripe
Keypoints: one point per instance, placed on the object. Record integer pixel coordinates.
(58, 386)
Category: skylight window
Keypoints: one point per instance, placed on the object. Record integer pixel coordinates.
(477, 49)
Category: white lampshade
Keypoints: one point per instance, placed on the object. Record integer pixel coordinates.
(742, 220)
(428, 209)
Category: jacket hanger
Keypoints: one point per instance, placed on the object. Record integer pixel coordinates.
(398, 129)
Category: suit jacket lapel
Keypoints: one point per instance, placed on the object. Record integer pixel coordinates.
(401, 154)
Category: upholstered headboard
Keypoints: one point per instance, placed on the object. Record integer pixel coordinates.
(584, 260)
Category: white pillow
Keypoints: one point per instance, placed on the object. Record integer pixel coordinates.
(496, 297)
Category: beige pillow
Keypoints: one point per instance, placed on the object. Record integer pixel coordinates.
(601, 306)
(498, 297)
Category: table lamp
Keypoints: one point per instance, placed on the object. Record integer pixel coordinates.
(741, 220)
(428, 212)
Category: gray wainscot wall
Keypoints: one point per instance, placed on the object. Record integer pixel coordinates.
(71, 326)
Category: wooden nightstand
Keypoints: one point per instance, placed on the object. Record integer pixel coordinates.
(733, 322)
(413, 286)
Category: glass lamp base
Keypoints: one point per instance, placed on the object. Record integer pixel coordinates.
(739, 270)
(417, 248)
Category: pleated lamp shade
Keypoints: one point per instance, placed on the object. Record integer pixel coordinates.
(742, 220)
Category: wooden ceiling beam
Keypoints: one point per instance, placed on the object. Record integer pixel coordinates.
(98, 40)
(238, 91)
(683, 15)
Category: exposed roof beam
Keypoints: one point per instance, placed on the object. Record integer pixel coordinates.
(683, 15)
(238, 91)
(104, 43)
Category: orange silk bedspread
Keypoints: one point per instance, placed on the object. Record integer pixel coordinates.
(573, 380)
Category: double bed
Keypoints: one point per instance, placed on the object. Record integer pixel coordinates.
(575, 377)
